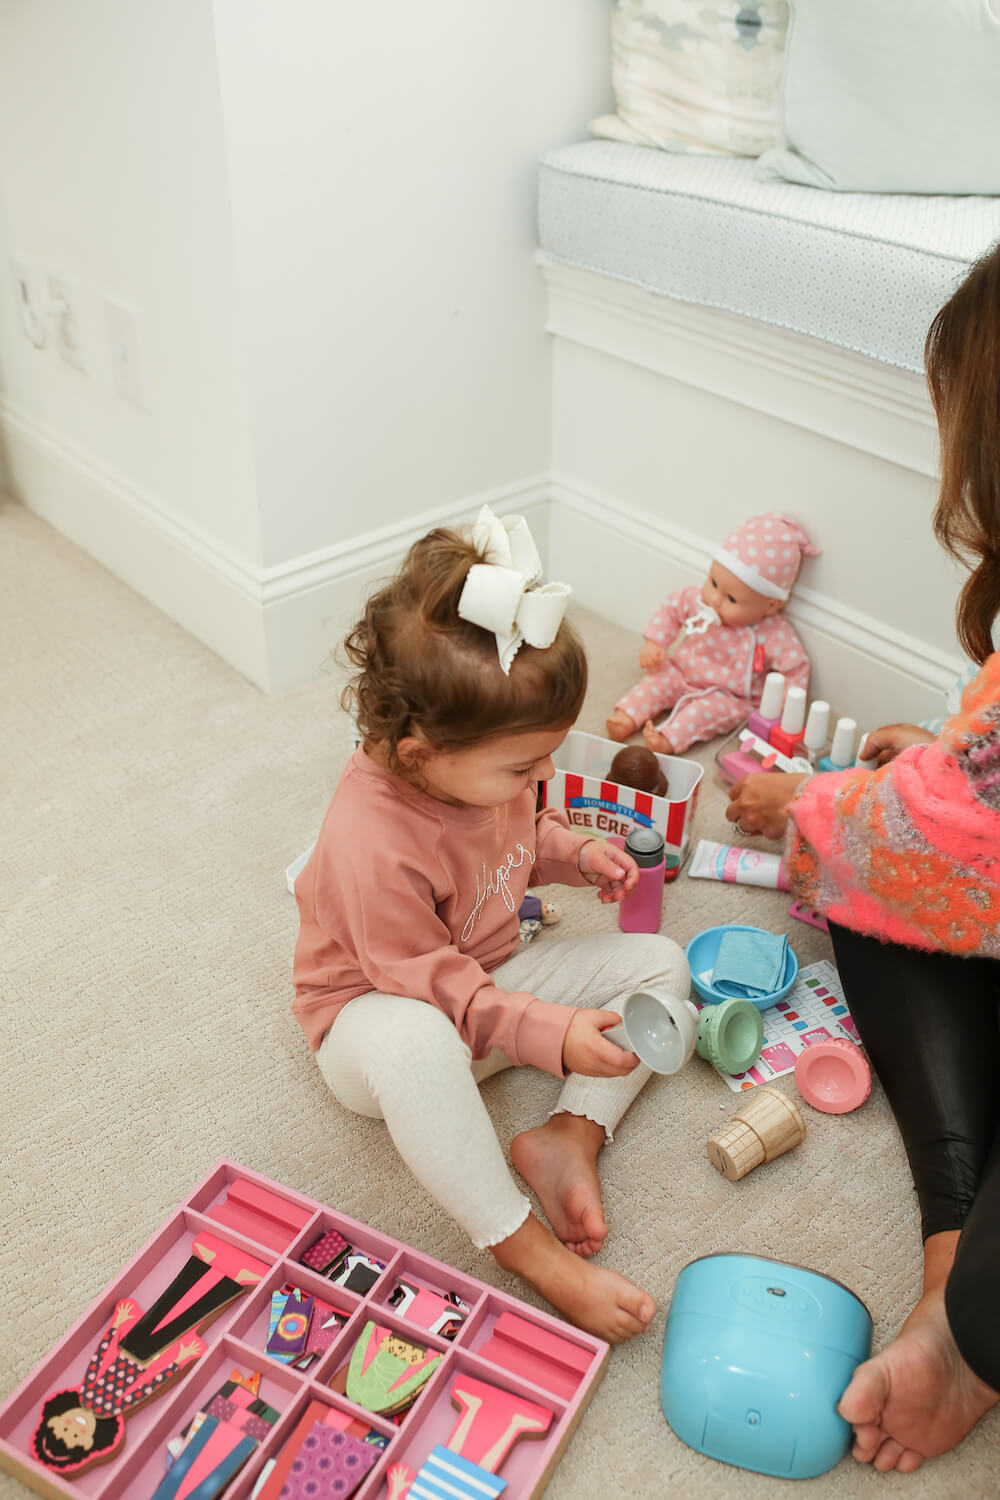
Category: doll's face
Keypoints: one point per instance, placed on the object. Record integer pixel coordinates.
(733, 600)
(75, 1427)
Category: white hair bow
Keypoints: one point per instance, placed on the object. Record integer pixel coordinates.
(503, 594)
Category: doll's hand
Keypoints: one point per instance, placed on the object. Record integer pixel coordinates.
(651, 656)
(885, 743)
(759, 803)
(586, 1050)
(609, 868)
(124, 1312)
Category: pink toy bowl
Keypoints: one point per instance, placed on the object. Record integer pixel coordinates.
(833, 1076)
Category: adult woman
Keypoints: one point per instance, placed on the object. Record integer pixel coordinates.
(905, 861)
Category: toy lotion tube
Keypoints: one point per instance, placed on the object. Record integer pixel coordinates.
(744, 866)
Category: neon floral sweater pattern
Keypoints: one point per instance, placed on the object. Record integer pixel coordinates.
(911, 853)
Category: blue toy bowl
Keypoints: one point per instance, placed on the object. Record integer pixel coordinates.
(756, 1356)
(702, 952)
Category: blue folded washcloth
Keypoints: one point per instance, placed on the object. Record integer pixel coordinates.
(750, 964)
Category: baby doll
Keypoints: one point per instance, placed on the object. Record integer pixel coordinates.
(733, 634)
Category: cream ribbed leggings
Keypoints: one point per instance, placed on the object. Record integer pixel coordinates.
(403, 1061)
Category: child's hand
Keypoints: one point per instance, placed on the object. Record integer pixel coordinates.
(609, 868)
(586, 1050)
(651, 656)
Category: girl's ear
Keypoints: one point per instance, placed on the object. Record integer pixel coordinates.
(412, 751)
(773, 606)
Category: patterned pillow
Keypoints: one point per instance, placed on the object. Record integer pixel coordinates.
(696, 75)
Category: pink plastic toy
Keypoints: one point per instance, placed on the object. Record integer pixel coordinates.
(237, 1336)
(833, 1076)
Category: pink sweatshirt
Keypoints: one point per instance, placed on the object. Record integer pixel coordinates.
(412, 896)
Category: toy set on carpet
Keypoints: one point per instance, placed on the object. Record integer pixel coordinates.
(339, 1362)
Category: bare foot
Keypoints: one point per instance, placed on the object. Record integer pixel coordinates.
(619, 725)
(559, 1160)
(655, 740)
(600, 1301)
(916, 1399)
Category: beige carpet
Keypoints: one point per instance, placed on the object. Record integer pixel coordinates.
(151, 800)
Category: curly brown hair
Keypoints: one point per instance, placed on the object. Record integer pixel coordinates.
(962, 355)
(421, 668)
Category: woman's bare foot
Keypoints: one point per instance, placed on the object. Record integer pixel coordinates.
(600, 1301)
(918, 1398)
(559, 1160)
(655, 740)
(619, 725)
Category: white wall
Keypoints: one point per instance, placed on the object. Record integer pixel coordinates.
(324, 217)
(112, 171)
(383, 180)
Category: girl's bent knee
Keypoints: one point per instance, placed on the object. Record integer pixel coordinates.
(661, 960)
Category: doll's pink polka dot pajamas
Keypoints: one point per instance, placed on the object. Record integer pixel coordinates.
(713, 680)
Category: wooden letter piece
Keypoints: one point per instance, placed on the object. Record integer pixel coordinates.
(491, 1422)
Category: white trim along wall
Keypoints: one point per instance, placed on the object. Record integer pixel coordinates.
(650, 398)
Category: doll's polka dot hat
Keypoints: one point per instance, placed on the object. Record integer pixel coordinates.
(765, 553)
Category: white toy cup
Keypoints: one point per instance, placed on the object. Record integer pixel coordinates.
(660, 1028)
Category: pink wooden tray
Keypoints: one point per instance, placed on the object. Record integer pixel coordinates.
(223, 1203)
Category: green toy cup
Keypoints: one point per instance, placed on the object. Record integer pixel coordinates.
(730, 1035)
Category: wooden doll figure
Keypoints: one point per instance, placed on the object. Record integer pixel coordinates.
(85, 1425)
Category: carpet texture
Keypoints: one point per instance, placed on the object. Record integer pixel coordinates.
(151, 799)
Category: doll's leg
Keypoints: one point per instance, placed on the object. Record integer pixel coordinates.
(656, 692)
(696, 717)
(402, 1060)
(559, 1159)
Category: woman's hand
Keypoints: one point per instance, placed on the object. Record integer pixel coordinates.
(651, 655)
(882, 745)
(759, 803)
(586, 1050)
(609, 868)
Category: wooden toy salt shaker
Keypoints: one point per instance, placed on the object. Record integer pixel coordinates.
(766, 1125)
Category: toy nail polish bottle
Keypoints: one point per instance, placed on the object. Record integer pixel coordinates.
(817, 728)
(859, 759)
(842, 750)
(767, 715)
(788, 736)
(641, 910)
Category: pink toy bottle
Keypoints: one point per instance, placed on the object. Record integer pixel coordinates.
(767, 715)
(642, 908)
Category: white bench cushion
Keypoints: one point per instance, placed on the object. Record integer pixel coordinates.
(863, 271)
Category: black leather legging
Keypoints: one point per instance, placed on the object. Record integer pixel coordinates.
(929, 1023)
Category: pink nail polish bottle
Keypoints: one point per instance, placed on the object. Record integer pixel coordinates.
(767, 715)
(641, 909)
(788, 736)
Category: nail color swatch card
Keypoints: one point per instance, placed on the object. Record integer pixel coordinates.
(814, 1010)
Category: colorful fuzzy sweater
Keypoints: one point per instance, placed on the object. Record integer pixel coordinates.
(911, 853)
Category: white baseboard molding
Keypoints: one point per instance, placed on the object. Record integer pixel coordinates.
(876, 408)
(277, 626)
(622, 561)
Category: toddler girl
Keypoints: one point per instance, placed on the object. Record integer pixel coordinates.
(734, 633)
(410, 983)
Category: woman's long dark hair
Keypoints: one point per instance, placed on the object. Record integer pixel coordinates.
(962, 355)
